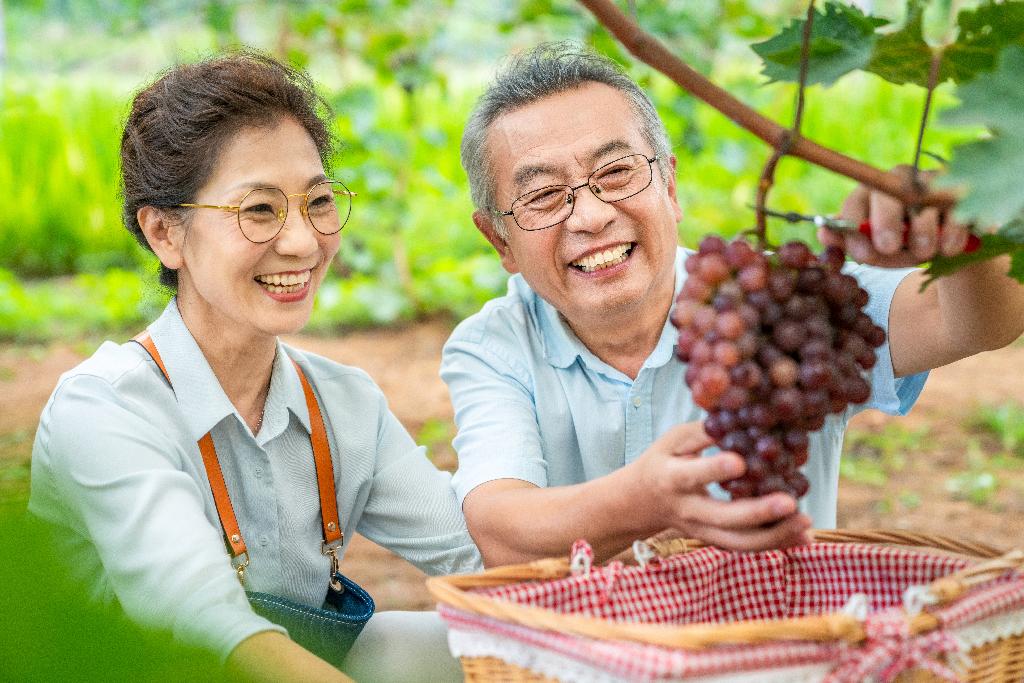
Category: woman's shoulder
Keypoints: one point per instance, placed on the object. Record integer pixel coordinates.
(112, 364)
(330, 376)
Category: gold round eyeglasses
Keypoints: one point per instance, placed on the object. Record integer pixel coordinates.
(263, 210)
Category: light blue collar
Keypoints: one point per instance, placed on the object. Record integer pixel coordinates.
(202, 401)
(562, 347)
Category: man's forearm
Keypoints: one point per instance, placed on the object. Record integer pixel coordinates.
(982, 307)
(976, 309)
(514, 522)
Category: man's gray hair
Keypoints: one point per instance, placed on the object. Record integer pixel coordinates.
(545, 70)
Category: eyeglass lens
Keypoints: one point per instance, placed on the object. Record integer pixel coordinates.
(613, 182)
(263, 211)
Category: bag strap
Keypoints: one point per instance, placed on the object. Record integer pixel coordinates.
(333, 535)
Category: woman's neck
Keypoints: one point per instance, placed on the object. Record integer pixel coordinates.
(241, 360)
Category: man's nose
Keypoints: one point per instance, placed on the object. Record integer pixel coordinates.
(589, 214)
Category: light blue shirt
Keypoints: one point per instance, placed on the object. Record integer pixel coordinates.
(116, 467)
(533, 403)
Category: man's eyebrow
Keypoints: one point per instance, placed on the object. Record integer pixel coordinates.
(608, 147)
(526, 174)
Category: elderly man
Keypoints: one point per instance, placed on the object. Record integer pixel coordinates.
(574, 419)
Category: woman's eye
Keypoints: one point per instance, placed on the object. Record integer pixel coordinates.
(260, 209)
(319, 202)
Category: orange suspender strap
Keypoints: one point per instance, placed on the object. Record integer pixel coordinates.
(323, 463)
(333, 536)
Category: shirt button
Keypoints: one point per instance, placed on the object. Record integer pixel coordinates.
(259, 471)
(264, 539)
(637, 401)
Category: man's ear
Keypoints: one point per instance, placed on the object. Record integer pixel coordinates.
(485, 224)
(165, 236)
(677, 210)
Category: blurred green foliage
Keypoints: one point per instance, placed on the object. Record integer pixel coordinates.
(1004, 422)
(53, 633)
(871, 457)
(401, 77)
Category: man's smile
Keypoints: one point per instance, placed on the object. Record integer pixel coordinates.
(603, 258)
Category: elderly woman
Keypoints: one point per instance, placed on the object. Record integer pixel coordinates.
(207, 434)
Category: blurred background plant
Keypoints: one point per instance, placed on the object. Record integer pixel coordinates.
(401, 76)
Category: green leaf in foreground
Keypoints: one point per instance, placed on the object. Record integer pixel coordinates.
(990, 170)
(1009, 240)
(842, 39)
(903, 56)
(983, 33)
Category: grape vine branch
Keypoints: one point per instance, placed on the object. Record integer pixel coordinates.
(786, 142)
(653, 52)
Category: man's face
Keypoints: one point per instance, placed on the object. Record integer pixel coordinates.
(562, 139)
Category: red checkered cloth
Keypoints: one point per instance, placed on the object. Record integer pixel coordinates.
(714, 586)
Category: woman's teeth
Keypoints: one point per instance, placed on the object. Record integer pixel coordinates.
(286, 283)
(603, 259)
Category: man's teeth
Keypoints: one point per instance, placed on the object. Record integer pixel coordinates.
(284, 283)
(603, 259)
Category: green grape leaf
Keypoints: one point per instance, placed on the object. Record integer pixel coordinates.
(983, 33)
(1009, 242)
(990, 169)
(905, 56)
(842, 39)
(1017, 266)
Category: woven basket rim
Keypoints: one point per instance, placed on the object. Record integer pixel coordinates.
(453, 591)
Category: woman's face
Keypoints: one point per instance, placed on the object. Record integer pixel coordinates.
(258, 289)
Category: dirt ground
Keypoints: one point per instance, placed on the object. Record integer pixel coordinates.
(913, 495)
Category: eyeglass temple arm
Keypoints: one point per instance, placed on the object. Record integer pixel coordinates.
(211, 206)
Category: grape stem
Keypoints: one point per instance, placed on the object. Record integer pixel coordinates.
(652, 52)
(933, 80)
(786, 141)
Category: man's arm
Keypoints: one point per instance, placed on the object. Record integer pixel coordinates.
(515, 521)
(978, 308)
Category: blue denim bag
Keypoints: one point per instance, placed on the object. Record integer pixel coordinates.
(327, 632)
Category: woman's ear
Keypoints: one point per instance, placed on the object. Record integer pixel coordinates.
(165, 236)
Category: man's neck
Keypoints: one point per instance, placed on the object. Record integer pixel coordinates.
(625, 341)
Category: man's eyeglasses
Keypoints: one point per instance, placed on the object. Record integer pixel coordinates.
(548, 206)
(264, 210)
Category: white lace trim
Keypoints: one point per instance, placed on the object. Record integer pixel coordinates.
(567, 670)
(989, 630)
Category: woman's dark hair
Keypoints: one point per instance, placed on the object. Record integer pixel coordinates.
(178, 126)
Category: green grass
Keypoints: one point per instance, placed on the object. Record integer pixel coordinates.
(871, 457)
(1004, 423)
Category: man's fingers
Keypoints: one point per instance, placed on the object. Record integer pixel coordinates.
(745, 513)
(953, 237)
(690, 475)
(855, 206)
(789, 532)
(684, 439)
(886, 216)
(924, 234)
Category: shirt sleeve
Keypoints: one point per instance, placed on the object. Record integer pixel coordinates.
(412, 508)
(496, 416)
(115, 479)
(892, 395)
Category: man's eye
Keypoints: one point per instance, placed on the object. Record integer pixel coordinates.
(545, 198)
(616, 172)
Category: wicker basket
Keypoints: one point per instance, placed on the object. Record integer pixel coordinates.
(1000, 660)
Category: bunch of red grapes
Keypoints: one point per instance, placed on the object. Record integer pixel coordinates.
(774, 343)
